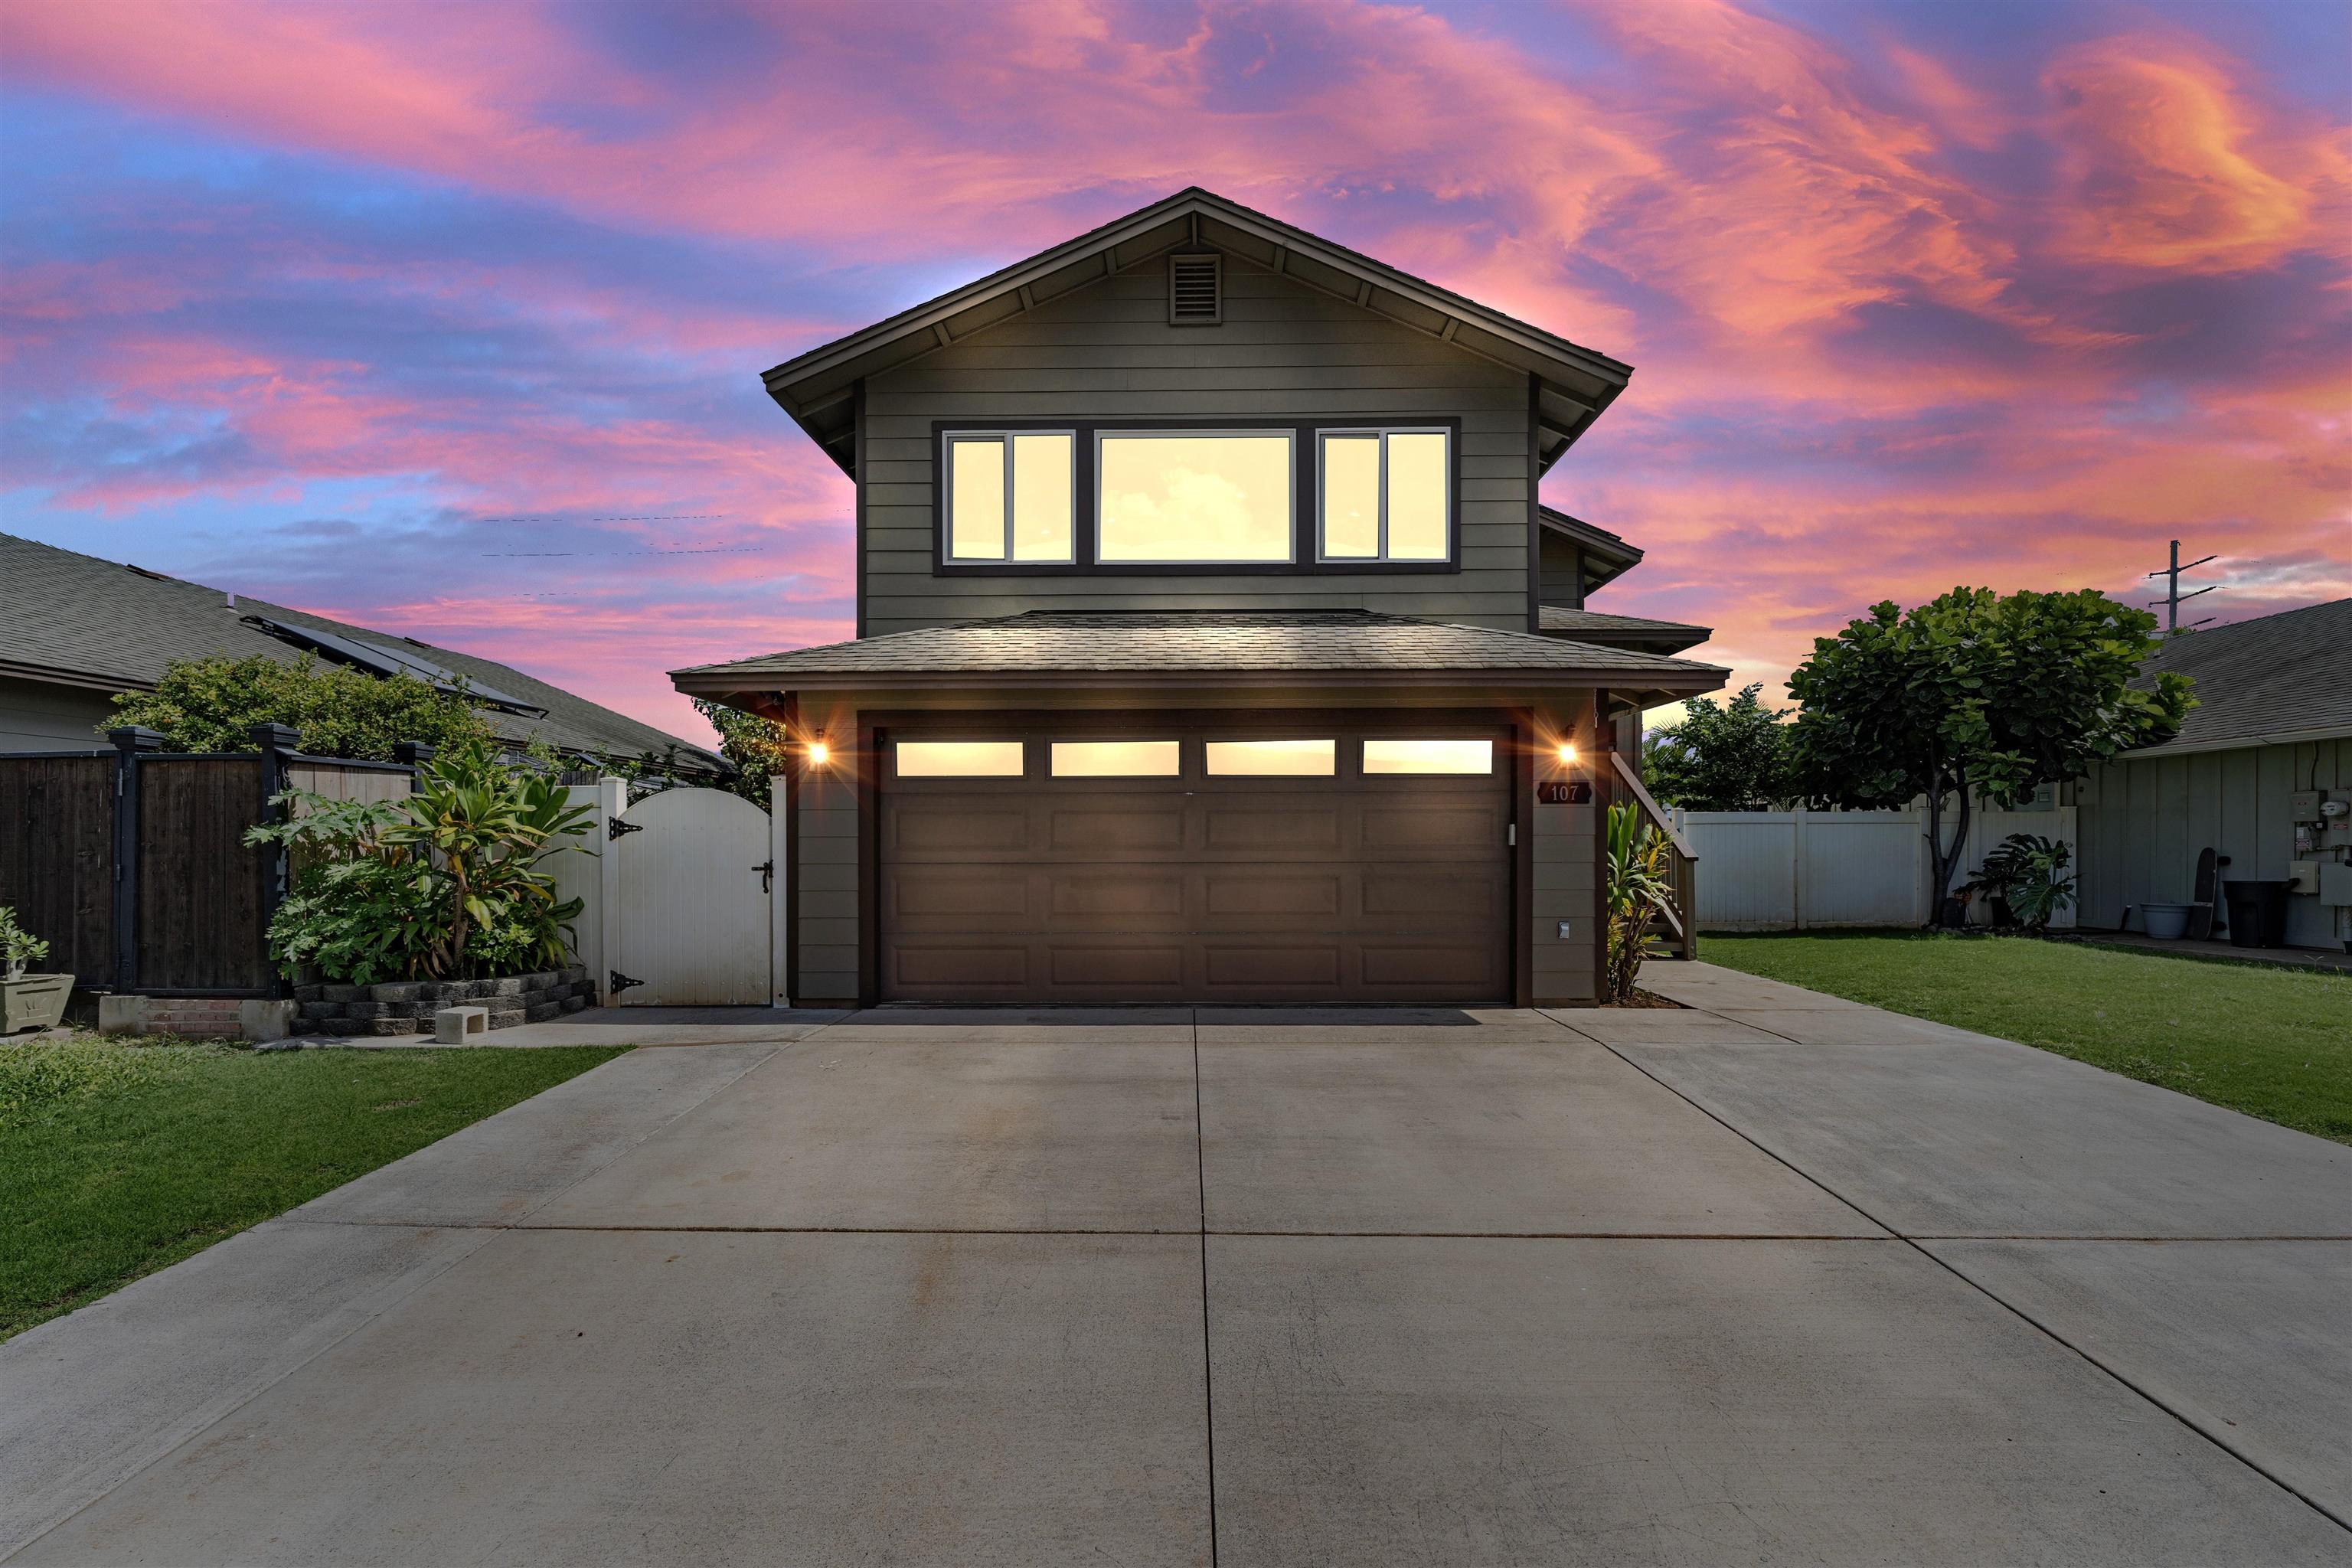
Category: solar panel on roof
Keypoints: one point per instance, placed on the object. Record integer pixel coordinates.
(381, 660)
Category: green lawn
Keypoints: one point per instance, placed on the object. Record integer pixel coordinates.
(116, 1160)
(2271, 1042)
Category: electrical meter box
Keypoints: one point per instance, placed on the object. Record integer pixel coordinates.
(2303, 806)
(2334, 883)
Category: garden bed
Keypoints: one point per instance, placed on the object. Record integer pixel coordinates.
(406, 1007)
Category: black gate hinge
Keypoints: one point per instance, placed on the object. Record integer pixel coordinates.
(622, 983)
(614, 828)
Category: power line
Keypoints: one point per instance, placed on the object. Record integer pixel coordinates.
(2173, 596)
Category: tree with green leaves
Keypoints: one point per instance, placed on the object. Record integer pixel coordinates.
(1973, 695)
(754, 744)
(212, 704)
(1720, 757)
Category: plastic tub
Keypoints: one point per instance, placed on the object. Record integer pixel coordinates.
(2168, 922)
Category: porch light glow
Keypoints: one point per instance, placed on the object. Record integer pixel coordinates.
(1568, 752)
(819, 754)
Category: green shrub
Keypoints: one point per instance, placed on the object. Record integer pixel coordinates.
(212, 704)
(19, 949)
(443, 884)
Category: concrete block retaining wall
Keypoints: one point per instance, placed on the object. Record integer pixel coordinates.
(406, 1007)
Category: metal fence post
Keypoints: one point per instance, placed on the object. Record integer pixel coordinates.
(130, 742)
(275, 741)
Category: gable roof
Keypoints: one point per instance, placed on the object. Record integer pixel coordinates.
(1195, 647)
(1575, 382)
(1607, 556)
(79, 620)
(2270, 681)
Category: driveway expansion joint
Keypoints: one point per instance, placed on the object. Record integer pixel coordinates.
(1918, 1244)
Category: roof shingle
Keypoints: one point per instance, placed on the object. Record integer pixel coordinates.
(1201, 642)
(2283, 674)
(65, 614)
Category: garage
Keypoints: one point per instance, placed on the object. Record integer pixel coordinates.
(1140, 861)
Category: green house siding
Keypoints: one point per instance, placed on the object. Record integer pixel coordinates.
(1283, 351)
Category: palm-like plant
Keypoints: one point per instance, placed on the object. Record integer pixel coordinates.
(482, 828)
(1639, 885)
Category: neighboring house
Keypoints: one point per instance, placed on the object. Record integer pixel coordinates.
(1206, 644)
(2269, 741)
(75, 630)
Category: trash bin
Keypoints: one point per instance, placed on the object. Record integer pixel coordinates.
(2257, 913)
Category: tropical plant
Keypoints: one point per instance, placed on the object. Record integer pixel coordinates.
(19, 949)
(1975, 695)
(1728, 757)
(1640, 885)
(2029, 874)
(212, 704)
(445, 883)
(754, 744)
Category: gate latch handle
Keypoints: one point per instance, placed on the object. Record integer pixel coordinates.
(767, 869)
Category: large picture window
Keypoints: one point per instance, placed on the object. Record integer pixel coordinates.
(1386, 495)
(1010, 497)
(1186, 497)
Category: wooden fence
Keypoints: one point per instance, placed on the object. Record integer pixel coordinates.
(133, 864)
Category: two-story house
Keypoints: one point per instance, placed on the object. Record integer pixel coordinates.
(1212, 644)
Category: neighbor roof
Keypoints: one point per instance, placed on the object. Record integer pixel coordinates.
(2278, 679)
(1174, 647)
(1592, 625)
(1575, 382)
(79, 620)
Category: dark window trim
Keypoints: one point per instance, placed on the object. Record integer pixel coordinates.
(1305, 507)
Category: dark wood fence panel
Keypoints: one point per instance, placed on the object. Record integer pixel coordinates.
(200, 886)
(57, 858)
(348, 780)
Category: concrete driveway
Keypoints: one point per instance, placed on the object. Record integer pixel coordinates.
(1778, 1279)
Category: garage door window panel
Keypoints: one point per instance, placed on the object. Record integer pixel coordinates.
(958, 758)
(1117, 759)
(1273, 759)
(1462, 758)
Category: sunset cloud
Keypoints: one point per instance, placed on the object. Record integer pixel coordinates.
(315, 302)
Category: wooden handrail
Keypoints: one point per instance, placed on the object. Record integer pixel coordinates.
(1663, 822)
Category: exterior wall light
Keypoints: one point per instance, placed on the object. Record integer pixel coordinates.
(1567, 753)
(819, 754)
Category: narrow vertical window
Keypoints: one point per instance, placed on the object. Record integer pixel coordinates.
(1386, 495)
(1009, 495)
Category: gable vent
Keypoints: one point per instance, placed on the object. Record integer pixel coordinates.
(1196, 295)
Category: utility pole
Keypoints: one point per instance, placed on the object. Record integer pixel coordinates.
(2172, 593)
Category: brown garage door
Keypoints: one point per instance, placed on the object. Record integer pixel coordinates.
(1245, 874)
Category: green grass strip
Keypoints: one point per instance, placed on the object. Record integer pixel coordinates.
(2273, 1041)
(117, 1159)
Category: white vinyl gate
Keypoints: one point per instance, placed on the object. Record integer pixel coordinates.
(684, 896)
(1800, 871)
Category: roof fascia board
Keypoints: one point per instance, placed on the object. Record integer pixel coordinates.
(2238, 742)
(1696, 678)
(83, 679)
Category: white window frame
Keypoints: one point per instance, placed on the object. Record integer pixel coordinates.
(1322, 555)
(1289, 436)
(948, 439)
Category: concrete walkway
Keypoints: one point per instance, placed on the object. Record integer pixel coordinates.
(1777, 1279)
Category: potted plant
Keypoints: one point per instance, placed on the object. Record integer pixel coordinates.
(27, 1001)
(2027, 880)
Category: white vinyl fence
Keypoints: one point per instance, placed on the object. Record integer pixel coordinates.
(1799, 870)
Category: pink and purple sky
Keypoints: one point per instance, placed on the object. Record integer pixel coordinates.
(447, 319)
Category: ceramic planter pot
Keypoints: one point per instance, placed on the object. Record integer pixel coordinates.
(34, 1001)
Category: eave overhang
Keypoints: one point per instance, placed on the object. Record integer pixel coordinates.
(1573, 383)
